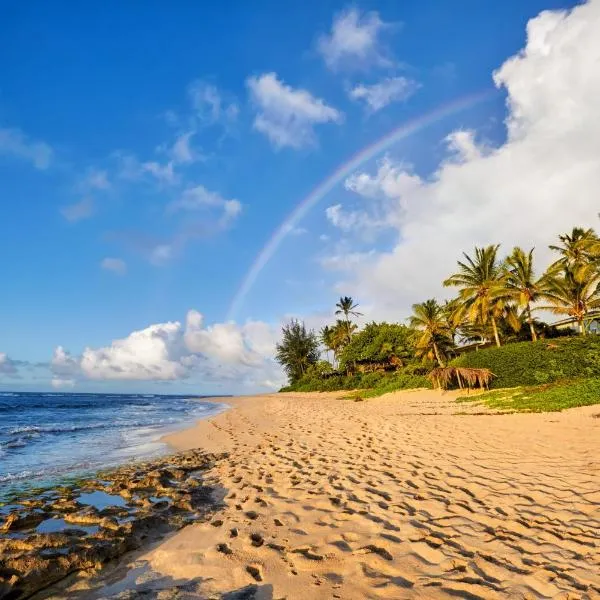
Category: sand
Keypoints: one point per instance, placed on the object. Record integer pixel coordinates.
(394, 497)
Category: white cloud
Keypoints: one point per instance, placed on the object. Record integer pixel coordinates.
(354, 41)
(95, 179)
(391, 181)
(63, 365)
(147, 354)
(182, 151)
(285, 115)
(540, 182)
(59, 383)
(229, 343)
(199, 198)
(162, 173)
(384, 92)
(13, 142)
(209, 104)
(116, 265)
(162, 253)
(7, 365)
(79, 210)
(224, 353)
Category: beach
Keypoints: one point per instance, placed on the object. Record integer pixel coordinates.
(410, 495)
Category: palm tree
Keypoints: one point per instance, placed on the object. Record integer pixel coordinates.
(573, 291)
(577, 248)
(483, 294)
(326, 336)
(342, 333)
(298, 349)
(521, 283)
(430, 319)
(347, 307)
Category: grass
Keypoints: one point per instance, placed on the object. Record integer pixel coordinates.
(545, 398)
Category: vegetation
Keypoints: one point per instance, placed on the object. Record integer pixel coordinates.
(499, 303)
(434, 339)
(535, 363)
(298, 350)
(464, 377)
(557, 397)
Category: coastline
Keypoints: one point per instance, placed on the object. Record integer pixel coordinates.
(404, 496)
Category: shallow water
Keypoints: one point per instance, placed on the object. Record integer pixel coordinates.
(57, 525)
(45, 438)
(101, 500)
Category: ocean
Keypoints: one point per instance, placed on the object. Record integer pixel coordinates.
(45, 438)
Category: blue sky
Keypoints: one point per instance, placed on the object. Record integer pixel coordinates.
(146, 157)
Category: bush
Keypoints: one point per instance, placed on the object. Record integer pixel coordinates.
(385, 344)
(400, 380)
(536, 363)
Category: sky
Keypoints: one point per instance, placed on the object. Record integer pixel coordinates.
(178, 181)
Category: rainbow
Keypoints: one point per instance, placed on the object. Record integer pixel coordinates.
(302, 208)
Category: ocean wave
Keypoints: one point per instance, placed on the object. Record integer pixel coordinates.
(56, 428)
(7, 477)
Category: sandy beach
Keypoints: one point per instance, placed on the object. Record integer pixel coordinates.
(394, 497)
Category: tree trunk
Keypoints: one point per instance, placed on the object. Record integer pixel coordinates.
(530, 321)
(495, 330)
(581, 326)
(437, 355)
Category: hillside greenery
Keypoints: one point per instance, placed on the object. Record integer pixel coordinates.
(535, 363)
(491, 323)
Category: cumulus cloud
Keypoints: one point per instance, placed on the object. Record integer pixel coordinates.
(115, 265)
(225, 353)
(384, 92)
(354, 41)
(287, 116)
(540, 182)
(13, 142)
(148, 354)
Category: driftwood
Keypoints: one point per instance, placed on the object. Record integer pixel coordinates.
(465, 377)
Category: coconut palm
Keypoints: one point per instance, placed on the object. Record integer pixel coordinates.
(429, 318)
(299, 348)
(577, 248)
(326, 336)
(347, 307)
(482, 294)
(342, 333)
(521, 283)
(573, 291)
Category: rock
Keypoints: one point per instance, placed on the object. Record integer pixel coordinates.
(30, 561)
(254, 572)
(224, 549)
(15, 521)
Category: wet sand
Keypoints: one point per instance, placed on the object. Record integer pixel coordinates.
(394, 497)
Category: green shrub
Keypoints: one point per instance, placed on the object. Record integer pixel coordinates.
(399, 381)
(536, 363)
(379, 344)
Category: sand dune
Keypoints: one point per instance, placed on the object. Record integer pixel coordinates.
(395, 497)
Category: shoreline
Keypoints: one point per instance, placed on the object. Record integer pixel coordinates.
(407, 495)
(128, 443)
